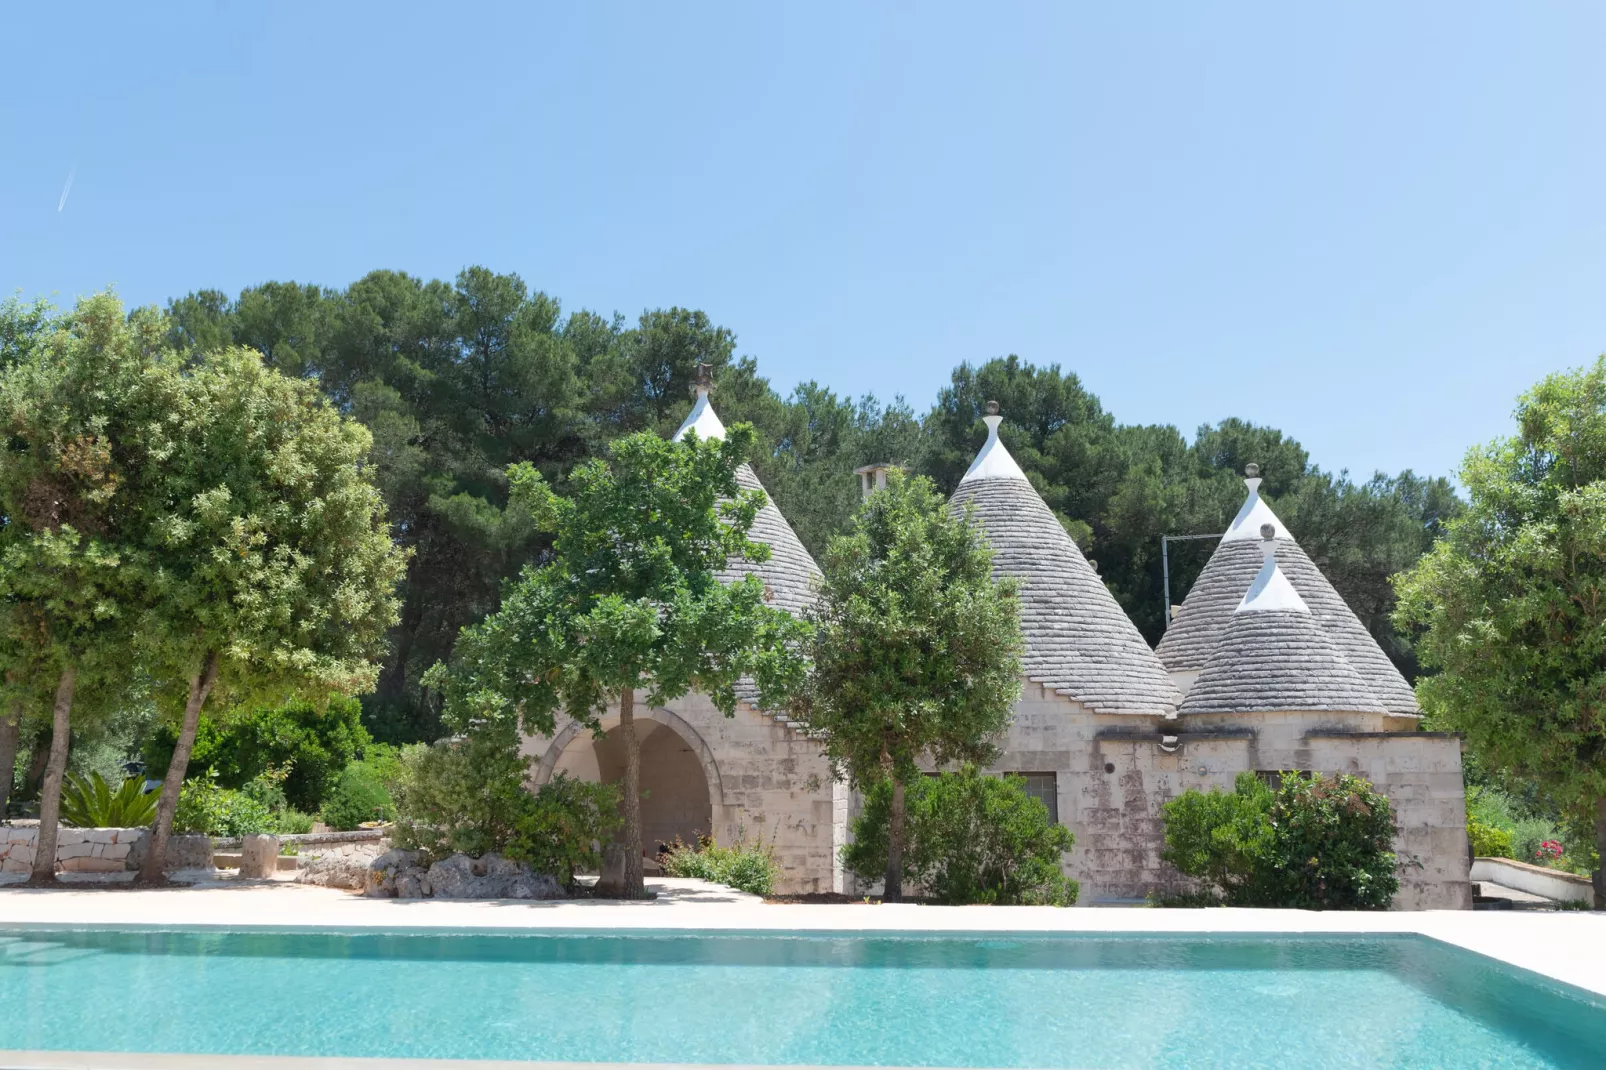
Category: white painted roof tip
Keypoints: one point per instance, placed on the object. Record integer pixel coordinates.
(1271, 591)
(1254, 513)
(702, 419)
(994, 461)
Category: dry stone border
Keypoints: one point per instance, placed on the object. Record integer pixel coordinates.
(399, 874)
(99, 850)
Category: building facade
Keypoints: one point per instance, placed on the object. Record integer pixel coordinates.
(1264, 669)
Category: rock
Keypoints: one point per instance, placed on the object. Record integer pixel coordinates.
(380, 881)
(454, 878)
(411, 883)
(494, 865)
(341, 866)
(189, 851)
(612, 880)
(535, 886)
(259, 856)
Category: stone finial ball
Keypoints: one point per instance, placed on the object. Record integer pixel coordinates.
(1268, 531)
(1252, 470)
(992, 408)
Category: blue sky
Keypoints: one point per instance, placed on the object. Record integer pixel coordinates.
(1371, 225)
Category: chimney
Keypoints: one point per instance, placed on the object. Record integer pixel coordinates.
(873, 476)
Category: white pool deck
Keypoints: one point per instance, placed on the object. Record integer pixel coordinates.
(1569, 947)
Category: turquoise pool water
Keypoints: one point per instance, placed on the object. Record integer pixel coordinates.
(1076, 1001)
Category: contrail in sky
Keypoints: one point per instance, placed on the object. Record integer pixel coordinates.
(67, 188)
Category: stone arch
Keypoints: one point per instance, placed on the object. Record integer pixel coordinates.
(694, 741)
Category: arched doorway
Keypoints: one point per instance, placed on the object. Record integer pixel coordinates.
(679, 781)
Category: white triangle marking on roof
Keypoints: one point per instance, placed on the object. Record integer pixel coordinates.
(1255, 512)
(994, 461)
(1271, 589)
(702, 419)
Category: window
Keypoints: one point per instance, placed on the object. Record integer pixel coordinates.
(1273, 778)
(1043, 786)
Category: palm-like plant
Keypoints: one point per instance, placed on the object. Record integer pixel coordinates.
(92, 804)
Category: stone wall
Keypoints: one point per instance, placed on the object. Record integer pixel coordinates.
(766, 781)
(77, 850)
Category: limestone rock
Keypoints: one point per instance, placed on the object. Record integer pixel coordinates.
(410, 884)
(259, 856)
(380, 880)
(454, 878)
(535, 886)
(189, 851)
(342, 866)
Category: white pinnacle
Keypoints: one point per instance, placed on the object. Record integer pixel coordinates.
(702, 419)
(1271, 589)
(994, 461)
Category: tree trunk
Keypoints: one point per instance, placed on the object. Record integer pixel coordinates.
(36, 764)
(44, 851)
(10, 737)
(893, 892)
(635, 885)
(151, 870)
(1600, 849)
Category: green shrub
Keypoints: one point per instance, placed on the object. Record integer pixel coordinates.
(359, 796)
(469, 795)
(459, 795)
(564, 825)
(1222, 839)
(1316, 843)
(312, 744)
(292, 823)
(203, 806)
(746, 867)
(93, 804)
(969, 839)
(1489, 841)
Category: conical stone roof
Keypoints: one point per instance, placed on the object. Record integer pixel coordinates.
(1079, 642)
(1274, 654)
(1191, 638)
(790, 575)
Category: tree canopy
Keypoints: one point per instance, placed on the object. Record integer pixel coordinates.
(917, 649)
(629, 598)
(1512, 603)
(456, 380)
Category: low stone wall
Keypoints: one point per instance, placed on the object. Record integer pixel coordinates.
(1536, 880)
(99, 850)
(77, 850)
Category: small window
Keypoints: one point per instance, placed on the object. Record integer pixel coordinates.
(1273, 778)
(1043, 786)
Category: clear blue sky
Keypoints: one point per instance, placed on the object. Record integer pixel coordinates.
(1371, 225)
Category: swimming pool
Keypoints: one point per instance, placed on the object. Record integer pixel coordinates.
(999, 1001)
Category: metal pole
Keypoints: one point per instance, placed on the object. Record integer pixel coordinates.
(1165, 569)
(1165, 572)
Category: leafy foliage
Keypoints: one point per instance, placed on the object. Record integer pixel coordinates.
(972, 839)
(312, 744)
(747, 867)
(629, 598)
(469, 795)
(1510, 609)
(1489, 841)
(205, 807)
(1314, 843)
(91, 803)
(562, 828)
(457, 379)
(916, 648)
(360, 795)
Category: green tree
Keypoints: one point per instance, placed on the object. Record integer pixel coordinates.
(77, 417)
(1511, 607)
(628, 599)
(916, 651)
(273, 568)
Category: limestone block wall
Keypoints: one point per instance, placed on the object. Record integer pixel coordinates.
(77, 850)
(1421, 774)
(766, 781)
